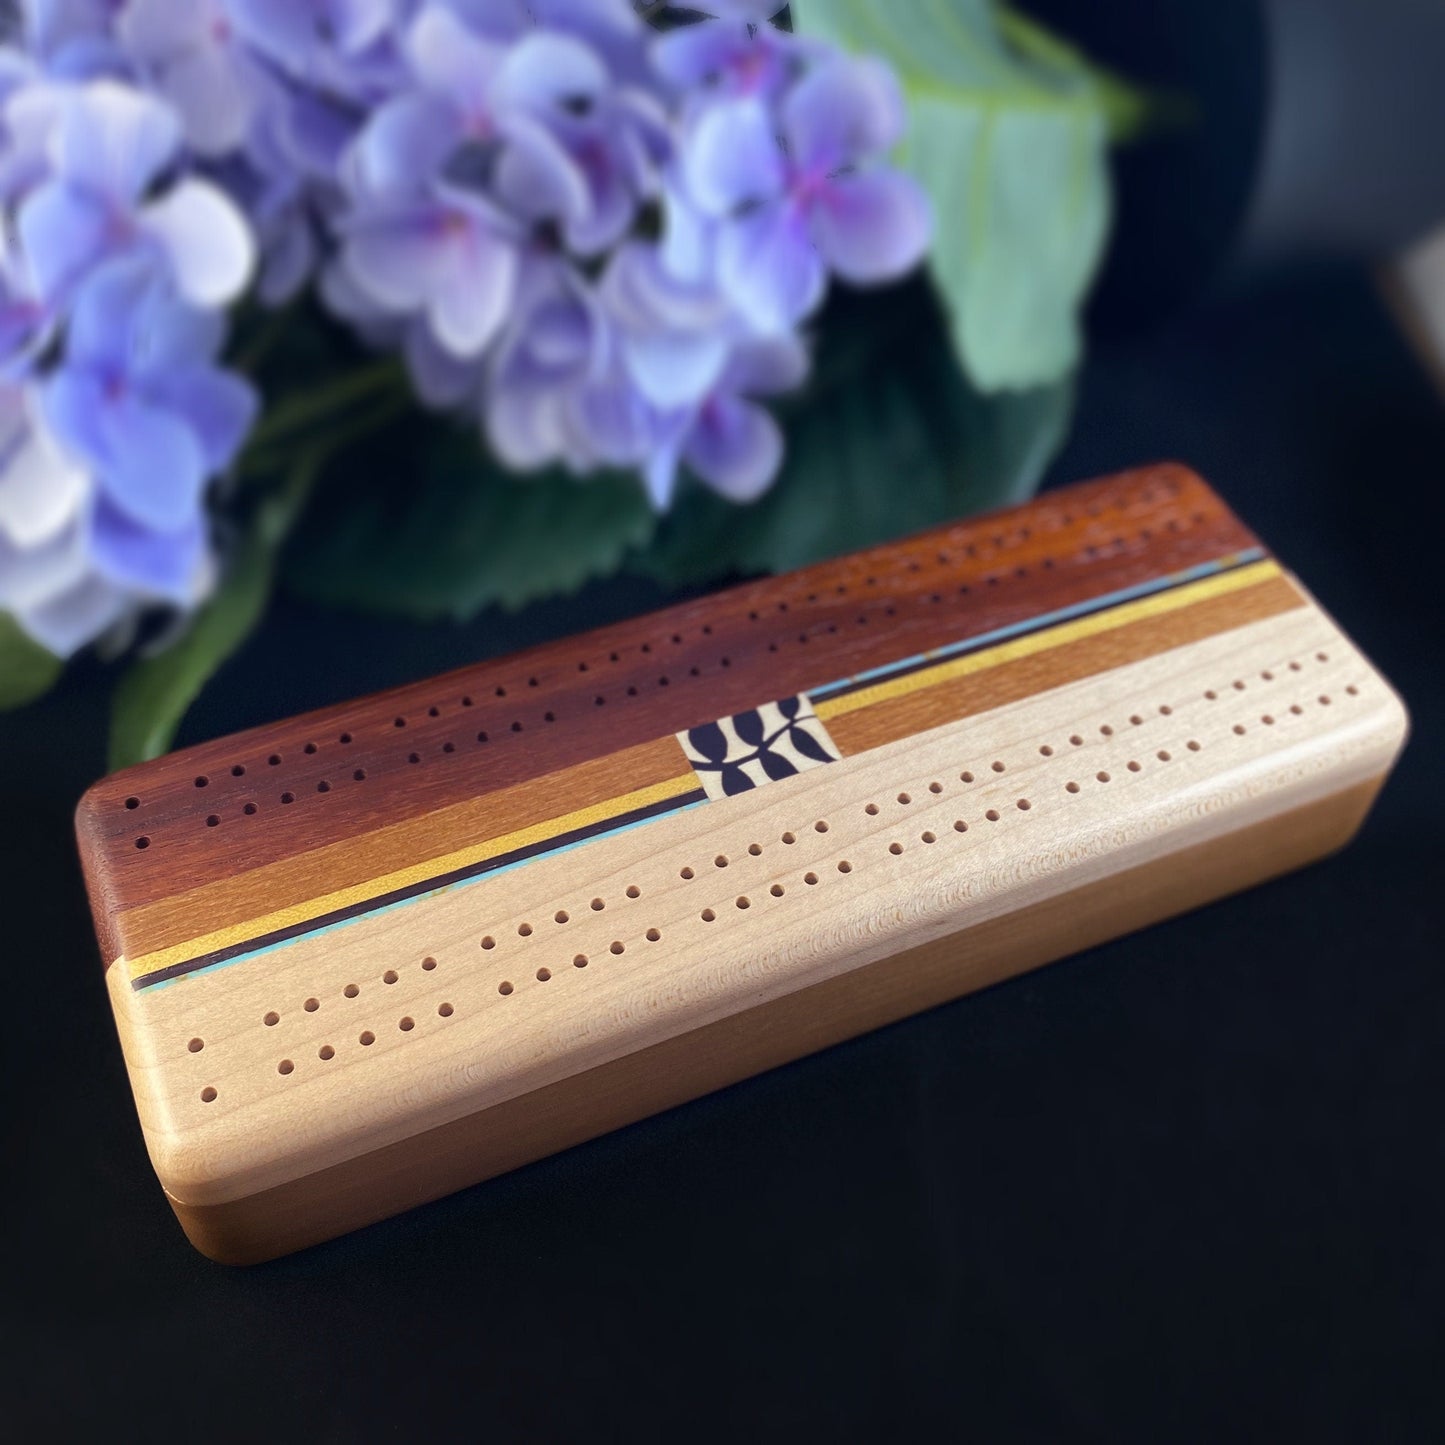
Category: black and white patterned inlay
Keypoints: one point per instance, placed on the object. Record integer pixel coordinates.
(776, 740)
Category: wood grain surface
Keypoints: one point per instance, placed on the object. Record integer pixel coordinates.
(871, 785)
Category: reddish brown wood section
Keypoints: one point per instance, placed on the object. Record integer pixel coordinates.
(274, 792)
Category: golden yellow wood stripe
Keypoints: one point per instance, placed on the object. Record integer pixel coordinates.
(1059, 636)
(342, 898)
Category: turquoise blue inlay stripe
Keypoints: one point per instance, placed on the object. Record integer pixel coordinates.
(1038, 623)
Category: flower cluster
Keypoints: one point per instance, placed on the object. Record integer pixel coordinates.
(599, 240)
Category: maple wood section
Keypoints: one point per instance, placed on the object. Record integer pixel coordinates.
(375, 1186)
(348, 769)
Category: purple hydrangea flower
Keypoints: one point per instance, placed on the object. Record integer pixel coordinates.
(141, 404)
(673, 336)
(48, 581)
(73, 38)
(806, 194)
(108, 147)
(555, 346)
(448, 178)
(729, 58)
(190, 54)
(468, 180)
(730, 443)
(41, 489)
(26, 324)
(344, 47)
(678, 380)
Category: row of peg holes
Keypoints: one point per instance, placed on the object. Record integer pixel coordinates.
(810, 878)
(927, 837)
(1001, 542)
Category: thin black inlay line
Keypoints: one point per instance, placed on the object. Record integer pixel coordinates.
(428, 885)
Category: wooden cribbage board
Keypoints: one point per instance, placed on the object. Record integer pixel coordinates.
(373, 954)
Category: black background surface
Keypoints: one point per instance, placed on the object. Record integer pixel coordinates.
(1185, 1186)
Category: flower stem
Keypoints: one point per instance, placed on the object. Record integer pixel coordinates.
(309, 406)
(264, 333)
(283, 454)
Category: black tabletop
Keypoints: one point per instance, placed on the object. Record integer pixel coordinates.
(1184, 1186)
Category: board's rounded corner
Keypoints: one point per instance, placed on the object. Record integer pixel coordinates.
(219, 1233)
(1399, 725)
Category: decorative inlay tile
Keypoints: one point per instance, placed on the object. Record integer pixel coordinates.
(777, 740)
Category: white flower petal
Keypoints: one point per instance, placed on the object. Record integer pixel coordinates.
(41, 490)
(211, 249)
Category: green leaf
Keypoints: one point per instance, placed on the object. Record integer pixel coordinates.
(27, 670)
(1008, 132)
(434, 529)
(888, 439)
